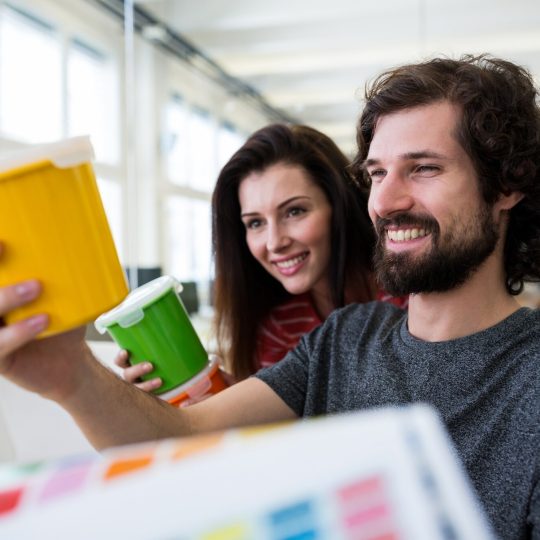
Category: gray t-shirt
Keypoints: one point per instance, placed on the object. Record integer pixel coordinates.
(486, 387)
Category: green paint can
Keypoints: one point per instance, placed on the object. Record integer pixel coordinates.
(153, 326)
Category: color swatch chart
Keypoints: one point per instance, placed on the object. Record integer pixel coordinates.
(378, 475)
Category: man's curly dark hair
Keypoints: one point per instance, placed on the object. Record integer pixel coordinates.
(499, 130)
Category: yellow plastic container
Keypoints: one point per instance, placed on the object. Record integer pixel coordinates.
(53, 228)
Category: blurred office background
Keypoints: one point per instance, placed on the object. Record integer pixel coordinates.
(168, 100)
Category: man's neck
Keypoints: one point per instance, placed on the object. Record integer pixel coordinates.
(478, 304)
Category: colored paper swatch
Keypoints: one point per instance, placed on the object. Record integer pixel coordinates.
(67, 478)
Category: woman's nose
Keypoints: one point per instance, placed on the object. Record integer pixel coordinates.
(277, 237)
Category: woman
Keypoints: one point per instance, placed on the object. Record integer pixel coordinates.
(292, 241)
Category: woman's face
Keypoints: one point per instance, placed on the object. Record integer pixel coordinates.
(288, 219)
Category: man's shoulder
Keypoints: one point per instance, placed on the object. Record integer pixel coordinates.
(376, 309)
(524, 321)
(371, 318)
(530, 327)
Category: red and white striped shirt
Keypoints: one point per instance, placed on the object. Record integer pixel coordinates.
(288, 322)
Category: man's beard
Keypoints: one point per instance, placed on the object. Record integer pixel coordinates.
(452, 259)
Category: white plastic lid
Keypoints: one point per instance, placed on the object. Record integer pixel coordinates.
(64, 154)
(131, 310)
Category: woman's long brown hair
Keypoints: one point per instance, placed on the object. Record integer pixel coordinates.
(244, 292)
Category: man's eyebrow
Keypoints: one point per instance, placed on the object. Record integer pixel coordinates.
(421, 154)
(368, 162)
(281, 205)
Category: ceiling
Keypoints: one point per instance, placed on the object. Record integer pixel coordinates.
(312, 58)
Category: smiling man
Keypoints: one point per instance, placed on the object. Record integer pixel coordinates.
(451, 152)
(434, 229)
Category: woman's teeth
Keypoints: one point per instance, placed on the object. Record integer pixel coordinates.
(291, 262)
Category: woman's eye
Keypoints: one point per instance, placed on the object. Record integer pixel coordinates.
(253, 224)
(295, 211)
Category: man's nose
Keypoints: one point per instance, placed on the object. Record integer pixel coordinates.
(392, 195)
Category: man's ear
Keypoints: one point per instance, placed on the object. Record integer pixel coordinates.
(507, 202)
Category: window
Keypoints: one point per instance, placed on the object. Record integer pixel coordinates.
(30, 78)
(188, 239)
(229, 141)
(175, 141)
(189, 146)
(93, 109)
(92, 99)
(195, 146)
(111, 196)
(202, 159)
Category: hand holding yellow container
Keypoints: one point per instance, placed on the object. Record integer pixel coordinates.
(53, 228)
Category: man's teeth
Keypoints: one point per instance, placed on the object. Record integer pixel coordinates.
(291, 262)
(406, 234)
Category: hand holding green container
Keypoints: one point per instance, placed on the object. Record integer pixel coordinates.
(153, 326)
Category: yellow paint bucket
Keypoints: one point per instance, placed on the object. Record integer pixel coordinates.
(53, 227)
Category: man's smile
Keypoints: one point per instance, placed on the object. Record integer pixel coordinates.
(401, 235)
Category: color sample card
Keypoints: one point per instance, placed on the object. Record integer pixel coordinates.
(380, 475)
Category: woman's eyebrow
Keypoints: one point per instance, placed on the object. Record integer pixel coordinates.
(280, 205)
(292, 199)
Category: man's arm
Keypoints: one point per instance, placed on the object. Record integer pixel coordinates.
(111, 412)
(108, 410)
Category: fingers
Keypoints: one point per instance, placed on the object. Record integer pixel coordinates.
(148, 386)
(14, 336)
(122, 359)
(17, 295)
(134, 373)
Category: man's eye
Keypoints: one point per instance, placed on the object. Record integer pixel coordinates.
(376, 174)
(426, 169)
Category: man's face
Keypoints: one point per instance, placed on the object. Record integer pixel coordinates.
(434, 229)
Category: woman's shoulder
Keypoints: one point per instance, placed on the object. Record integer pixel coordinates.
(296, 301)
(283, 327)
(295, 307)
